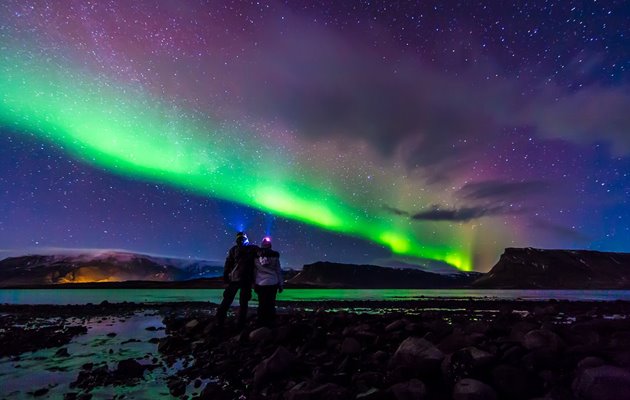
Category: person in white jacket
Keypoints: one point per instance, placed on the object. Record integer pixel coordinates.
(268, 282)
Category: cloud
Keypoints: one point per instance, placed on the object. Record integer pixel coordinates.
(502, 190)
(395, 211)
(464, 214)
(340, 85)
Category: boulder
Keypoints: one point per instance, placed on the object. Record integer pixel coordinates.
(396, 325)
(129, 369)
(417, 353)
(515, 383)
(604, 382)
(191, 325)
(172, 345)
(539, 338)
(455, 341)
(472, 389)
(214, 391)
(273, 367)
(328, 391)
(350, 346)
(62, 352)
(589, 362)
(466, 362)
(260, 335)
(412, 389)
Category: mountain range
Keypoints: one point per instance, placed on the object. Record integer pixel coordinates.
(517, 268)
(101, 266)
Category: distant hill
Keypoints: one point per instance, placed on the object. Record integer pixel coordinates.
(530, 268)
(328, 274)
(100, 266)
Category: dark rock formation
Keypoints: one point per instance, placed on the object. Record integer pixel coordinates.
(558, 269)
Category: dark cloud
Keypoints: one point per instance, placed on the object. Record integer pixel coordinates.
(341, 86)
(464, 214)
(395, 211)
(503, 191)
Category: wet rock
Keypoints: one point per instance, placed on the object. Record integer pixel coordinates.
(40, 392)
(176, 386)
(350, 346)
(467, 362)
(260, 335)
(370, 394)
(412, 389)
(455, 341)
(477, 327)
(621, 358)
(379, 357)
(520, 329)
(513, 354)
(172, 345)
(539, 338)
(213, 391)
(89, 378)
(62, 352)
(328, 391)
(417, 353)
(600, 383)
(191, 325)
(20, 339)
(472, 389)
(515, 383)
(273, 367)
(129, 369)
(396, 325)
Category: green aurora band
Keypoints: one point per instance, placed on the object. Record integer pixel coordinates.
(128, 131)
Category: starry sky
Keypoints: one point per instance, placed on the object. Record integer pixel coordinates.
(430, 133)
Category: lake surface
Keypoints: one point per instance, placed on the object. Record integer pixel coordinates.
(95, 296)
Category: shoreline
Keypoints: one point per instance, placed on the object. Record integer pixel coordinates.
(370, 350)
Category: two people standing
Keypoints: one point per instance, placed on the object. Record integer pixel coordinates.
(246, 265)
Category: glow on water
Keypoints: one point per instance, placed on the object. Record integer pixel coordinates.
(95, 296)
(44, 369)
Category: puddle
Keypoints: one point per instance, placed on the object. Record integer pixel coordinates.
(108, 341)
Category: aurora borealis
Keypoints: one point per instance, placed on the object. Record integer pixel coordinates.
(356, 132)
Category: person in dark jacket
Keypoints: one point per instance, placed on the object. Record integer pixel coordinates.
(238, 273)
(269, 282)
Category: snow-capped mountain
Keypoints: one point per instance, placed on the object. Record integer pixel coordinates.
(80, 266)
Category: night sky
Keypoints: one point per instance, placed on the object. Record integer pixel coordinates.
(365, 132)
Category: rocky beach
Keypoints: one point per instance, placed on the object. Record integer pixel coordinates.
(424, 349)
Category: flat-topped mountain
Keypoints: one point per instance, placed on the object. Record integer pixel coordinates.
(100, 266)
(529, 268)
(328, 274)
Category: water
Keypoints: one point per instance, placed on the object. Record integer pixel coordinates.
(95, 296)
(20, 376)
